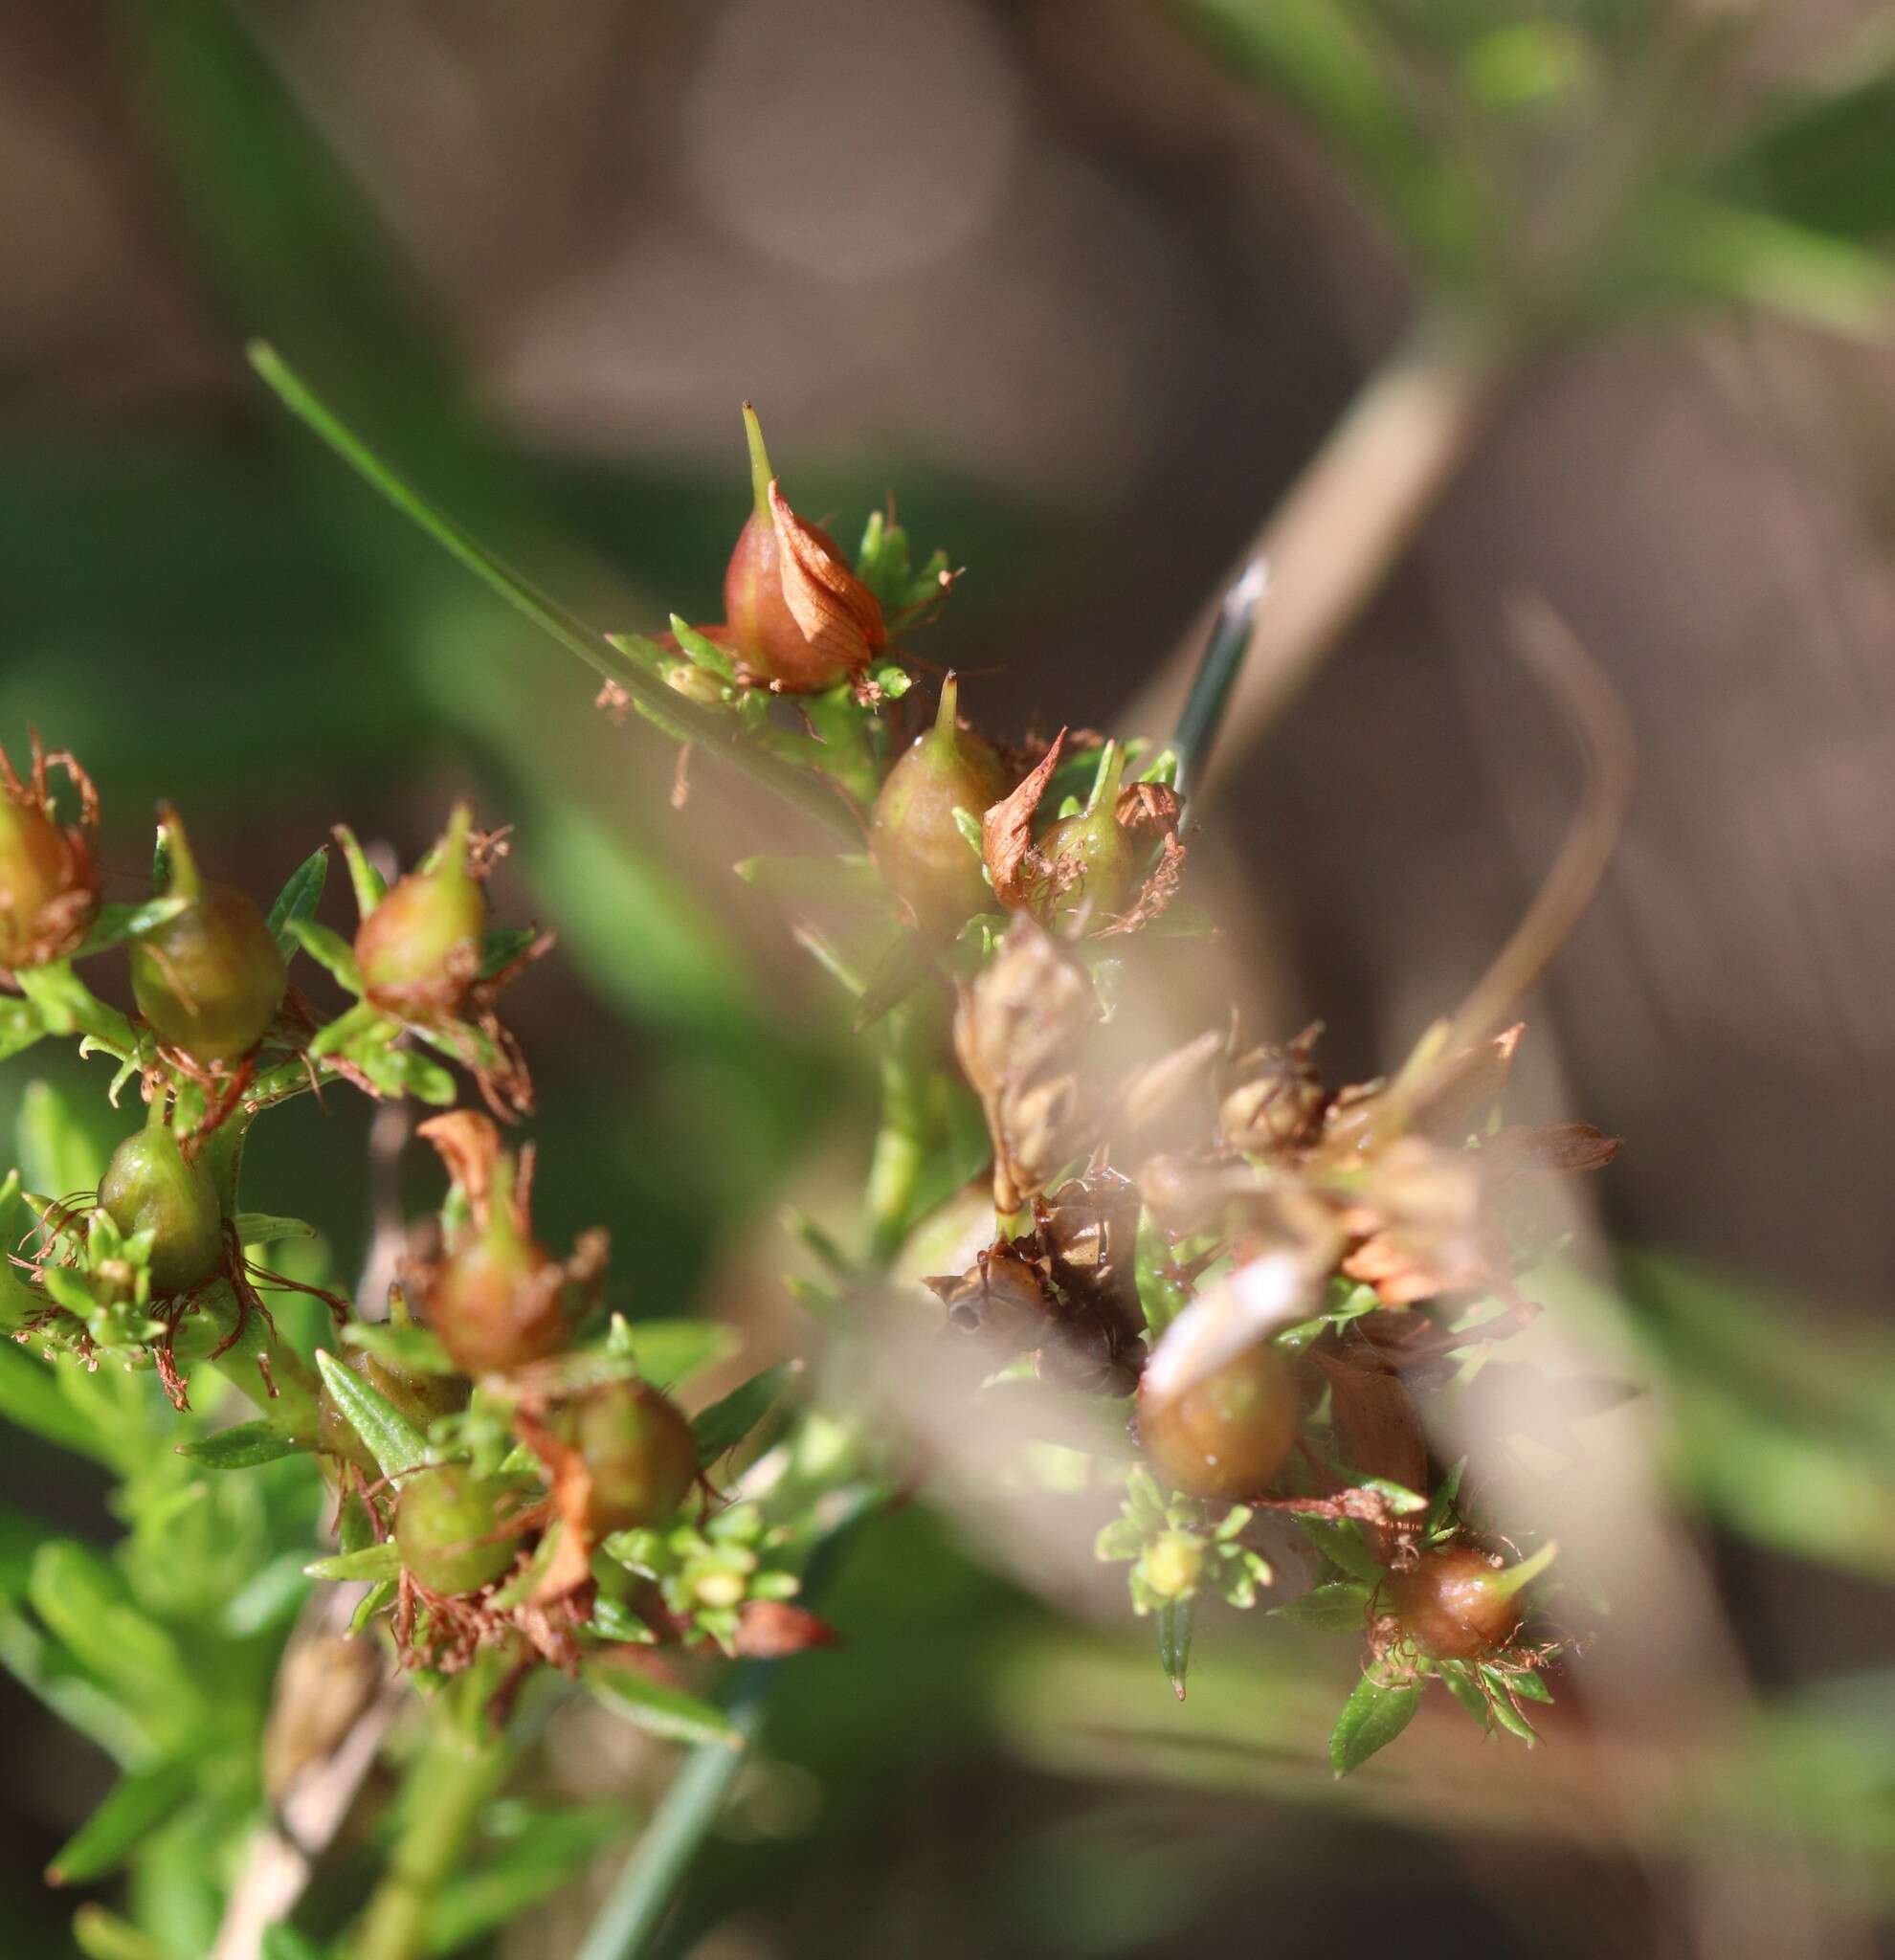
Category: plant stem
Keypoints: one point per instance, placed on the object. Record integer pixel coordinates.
(655, 1872)
(457, 1770)
(900, 1144)
(1343, 525)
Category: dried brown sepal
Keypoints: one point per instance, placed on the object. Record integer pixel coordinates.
(571, 1482)
(1006, 832)
(1021, 1029)
(1089, 1229)
(1379, 1429)
(839, 617)
(1004, 1297)
(1278, 1101)
(771, 1629)
(49, 874)
(1166, 1105)
(469, 1146)
(1557, 1147)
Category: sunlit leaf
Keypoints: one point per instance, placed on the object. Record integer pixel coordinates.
(1371, 1718)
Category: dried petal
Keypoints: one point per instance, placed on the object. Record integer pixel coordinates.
(768, 1629)
(839, 617)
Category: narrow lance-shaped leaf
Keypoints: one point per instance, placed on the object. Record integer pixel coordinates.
(387, 1433)
(138, 1805)
(662, 1710)
(725, 1423)
(299, 898)
(241, 1447)
(1371, 1718)
(1174, 1626)
(372, 1562)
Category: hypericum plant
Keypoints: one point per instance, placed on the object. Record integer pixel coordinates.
(1256, 1280)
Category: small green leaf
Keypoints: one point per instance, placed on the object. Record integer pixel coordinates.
(415, 1350)
(1501, 1703)
(664, 1711)
(1529, 1687)
(328, 950)
(85, 1602)
(670, 1352)
(138, 1805)
(262, 1228)
(1399, 1498)
(299, 898)
(1371, 1718)
(1174, 1623)
(112, 925)
(725, 1423)
(372, 1562)
(520, 1587)
(500, 948)
(1337, 1606)
(241, 1447)
(387, 1433)
(1340, 1543)
(380, 1594)
(1466, 1690)
(895, 975)
(367, 883)
(1440, 1518)
(402, 1072)
(702, 650)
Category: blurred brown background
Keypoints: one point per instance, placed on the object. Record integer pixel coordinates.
(1054, 264)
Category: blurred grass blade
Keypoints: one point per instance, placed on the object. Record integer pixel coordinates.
(684, 720)
(139, 1804)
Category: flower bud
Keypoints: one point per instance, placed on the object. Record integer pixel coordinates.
(448, 1528)
(1456, 1603)
(150, 1186)
(1227, 1432)
(638, 1451)
(1090, 863)
(49, 886)
(211, 978)
(797, 616)
(917, 845)
(419, 950)
(1173, 1564)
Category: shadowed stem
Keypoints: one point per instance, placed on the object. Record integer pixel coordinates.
(1337, 534)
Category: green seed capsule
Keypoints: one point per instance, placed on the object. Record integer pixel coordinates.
(1454, 1603)
(640, 1451)
(917, 845)
(419, 950)
(149, 1187)
(211, 979)
(445, 1524)
(1227, 1434)
(1092, 865)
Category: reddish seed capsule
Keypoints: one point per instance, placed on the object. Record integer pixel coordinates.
(499, 1300)
(639, 1451)
(1455, 1604)
(211, 978)
(917, 845)
(449, 1531)
(419, 950)
(149, 1186)
(1091, 865)
(1227, 1434)
(49, 885)
(796, 615)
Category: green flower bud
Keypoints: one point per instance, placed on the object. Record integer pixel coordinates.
(1091, 863)
(918, 847)
(1173, 1564)
(1227, 1434)
(1456, 1603)
(150, 1186)
(448, 1528)
(639, 1451)
(419, 950)
(211, 978)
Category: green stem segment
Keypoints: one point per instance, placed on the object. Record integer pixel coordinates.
(900, 1146)
(458, 1770)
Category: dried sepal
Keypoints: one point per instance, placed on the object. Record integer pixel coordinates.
(49, 878)
(1021, 1030)
(1006, 831)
